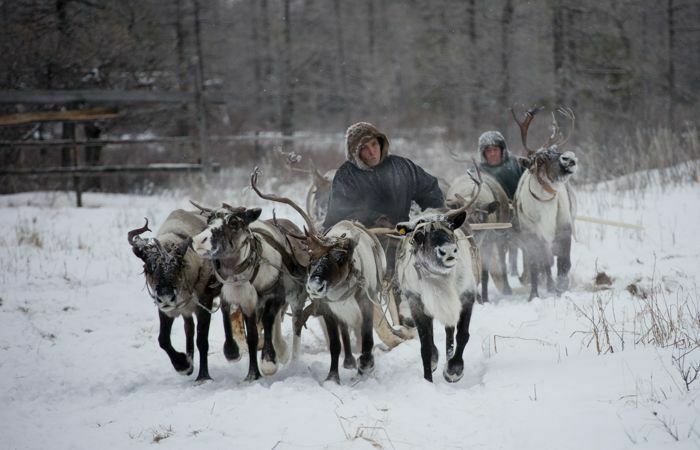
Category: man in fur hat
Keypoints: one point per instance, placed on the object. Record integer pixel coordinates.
(497, 162)
(376, 188)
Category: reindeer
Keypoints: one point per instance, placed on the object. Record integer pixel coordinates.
(437, 269)
(319, 193)
(256, 267)
(344, 278)
(181, 284)
(491, 206)
(545, 204)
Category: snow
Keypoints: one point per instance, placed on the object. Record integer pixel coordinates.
(80, 365)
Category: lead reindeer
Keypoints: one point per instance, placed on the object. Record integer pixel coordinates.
(181, 283)
(545, 204)
(344, 278)
(437, 269)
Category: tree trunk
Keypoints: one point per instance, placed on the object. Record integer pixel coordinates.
(287, 88)
(474, 67)
(558, 52)
(505, 92)
(341, 63)
(671, 74)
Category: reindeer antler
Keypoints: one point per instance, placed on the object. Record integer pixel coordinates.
(202, 209)
(525, 124)
(569, 114)
(478, 181)
(313, 238)
(133, 233)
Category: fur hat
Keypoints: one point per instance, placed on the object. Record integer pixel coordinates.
(489, 138)
(356, 136)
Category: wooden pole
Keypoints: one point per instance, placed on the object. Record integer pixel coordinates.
(76, 178)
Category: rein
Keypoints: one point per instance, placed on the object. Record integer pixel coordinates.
(545, 185)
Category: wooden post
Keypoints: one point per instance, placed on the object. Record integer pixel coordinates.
(75, 161)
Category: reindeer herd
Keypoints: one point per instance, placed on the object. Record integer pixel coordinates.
(261, 268)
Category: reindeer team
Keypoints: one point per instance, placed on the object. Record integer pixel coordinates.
(262, 267)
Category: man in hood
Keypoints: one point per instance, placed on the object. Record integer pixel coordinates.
(496, 161)
(376, 188)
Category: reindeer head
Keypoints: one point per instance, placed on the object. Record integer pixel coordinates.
(163, 267)
(548, 162)
(433, 239)
(227, 231)
(330, 258)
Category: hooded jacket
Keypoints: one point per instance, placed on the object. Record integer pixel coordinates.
(509, 171)
(384, 191)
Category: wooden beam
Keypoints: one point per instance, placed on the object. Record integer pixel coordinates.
(78, 115)
(93, 96)
(102, 170)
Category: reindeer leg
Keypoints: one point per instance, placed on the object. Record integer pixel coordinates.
(334, 345)
(251, 326)
(424, 324)
(189, 338)
(349, 360)
(366, 363)
(449, 342)
(534, 275)
(203, 321)
(563, 260)
(484, 285)
(231, 351)
(268, 363)
(503, 269)
(179, 360)
(454, 369)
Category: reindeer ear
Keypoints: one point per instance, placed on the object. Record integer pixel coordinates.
(251, 215)
(524, 162)
(403, 228)
(456, 221)
(492, 207)
(182, 248)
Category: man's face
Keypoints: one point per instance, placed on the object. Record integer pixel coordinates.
(371, 152)
(493, 155)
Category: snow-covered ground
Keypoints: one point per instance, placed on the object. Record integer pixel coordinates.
(80, 365)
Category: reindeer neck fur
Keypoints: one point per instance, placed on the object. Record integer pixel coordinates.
(364, 278)
(535, 215)
(440, 293)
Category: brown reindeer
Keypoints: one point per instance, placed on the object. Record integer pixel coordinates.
(344, 278)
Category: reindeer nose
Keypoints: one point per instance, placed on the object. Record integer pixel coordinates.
(316, 287)
(568, 159)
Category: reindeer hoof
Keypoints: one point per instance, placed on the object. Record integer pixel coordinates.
(252, 376)
(268, 367)
(349, 362)
(231, 351)
(201, 379)
(334, 377)
(406, 321)
(454, 371)
(183, 364)
(366, 365)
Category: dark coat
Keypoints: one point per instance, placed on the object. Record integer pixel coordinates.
(386, 190)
